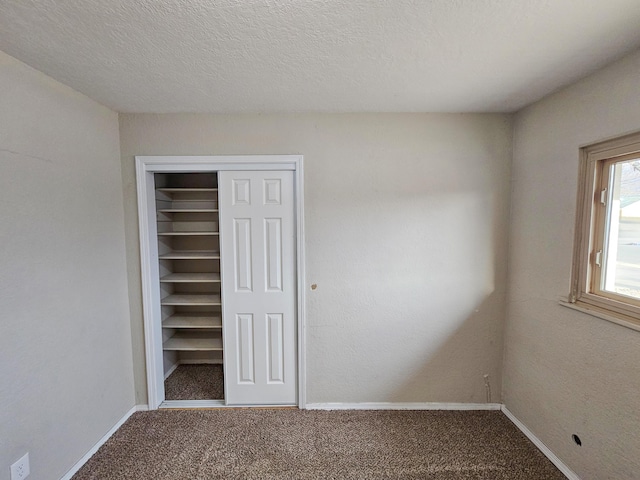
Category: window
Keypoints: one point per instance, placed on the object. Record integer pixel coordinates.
(606, 264)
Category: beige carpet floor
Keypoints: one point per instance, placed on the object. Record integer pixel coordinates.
(195, 382)
(299, 444)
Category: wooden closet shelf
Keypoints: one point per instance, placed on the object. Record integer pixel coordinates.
(186, 234)
(213, 277)
(184, 299)
(188, 210)
(195, 320)
(190, 255)
(184, 342)
(178, 189)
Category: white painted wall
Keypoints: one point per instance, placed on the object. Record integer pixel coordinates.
(406, 228)
(65, 349)
(566, 372)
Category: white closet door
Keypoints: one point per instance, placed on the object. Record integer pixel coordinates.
(257, 242)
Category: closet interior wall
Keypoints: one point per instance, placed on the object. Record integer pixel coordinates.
(189, 266)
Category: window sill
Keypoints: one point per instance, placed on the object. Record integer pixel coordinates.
(599, 313)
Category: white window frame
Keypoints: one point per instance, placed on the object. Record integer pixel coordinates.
(583, 295)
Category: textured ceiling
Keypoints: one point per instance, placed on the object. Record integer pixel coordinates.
(318, 55)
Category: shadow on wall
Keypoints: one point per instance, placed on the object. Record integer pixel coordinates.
(459, 365)
(413, 310)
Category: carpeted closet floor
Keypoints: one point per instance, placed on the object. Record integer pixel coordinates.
(195, 382)
(301, 444)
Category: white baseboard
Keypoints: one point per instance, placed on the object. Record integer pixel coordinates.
(570, 474)
(214, 404)
(212, 361)
(402, 406)
(171, 370)
(192, 404)
(94, 449)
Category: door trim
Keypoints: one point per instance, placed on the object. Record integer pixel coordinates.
(146, 166)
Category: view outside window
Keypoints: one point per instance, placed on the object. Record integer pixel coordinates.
(622, 230)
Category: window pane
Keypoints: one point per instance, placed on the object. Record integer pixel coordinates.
(621, 266)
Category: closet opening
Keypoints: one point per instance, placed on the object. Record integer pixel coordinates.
(222, 270)
(190, 285)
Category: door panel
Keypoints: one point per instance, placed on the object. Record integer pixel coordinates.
(275, 351)
(273, 254)
(257, 249)
(242, 254)
(244, 349)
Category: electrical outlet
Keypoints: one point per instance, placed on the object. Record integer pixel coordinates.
(20, 469)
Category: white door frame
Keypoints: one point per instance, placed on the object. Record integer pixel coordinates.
(146, 166)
